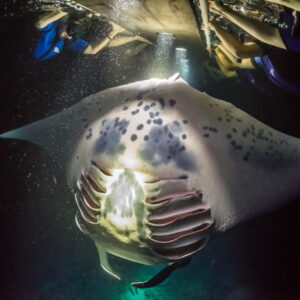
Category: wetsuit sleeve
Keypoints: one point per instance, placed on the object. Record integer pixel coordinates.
(79, 45)
(48, 45)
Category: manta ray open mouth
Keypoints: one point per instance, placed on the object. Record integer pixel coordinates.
(158, 216)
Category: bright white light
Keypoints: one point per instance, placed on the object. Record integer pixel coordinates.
(182, 63)
(161, 66)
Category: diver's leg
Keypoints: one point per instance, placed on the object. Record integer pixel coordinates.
(236, 48)
(52, 15)
(260, 31)
(122, 40)
(292, 4)
(244, 64)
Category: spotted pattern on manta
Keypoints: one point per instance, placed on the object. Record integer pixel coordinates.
(110, 137)
(251, 135)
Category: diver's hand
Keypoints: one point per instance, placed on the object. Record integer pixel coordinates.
(116, 29)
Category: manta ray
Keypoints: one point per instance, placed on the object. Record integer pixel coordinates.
(158, 169)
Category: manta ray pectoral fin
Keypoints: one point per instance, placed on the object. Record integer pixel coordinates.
(162, 275)
(104, 262)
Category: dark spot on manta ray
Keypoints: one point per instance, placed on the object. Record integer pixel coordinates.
(157, 114)
(229, 136)
(140, 103)
(127, 99)
(151, 114)
(88, 136)
(146, 107)
(176, 123)
(140, 127)
(234, 129)
(109, 141)
(183, 176)
(141, 93)
(148, 121)
(233, 143)
(172, 102)
(133, 137)
(185, 121)
(160, 150)
(205, 127)
(212, 129)
(184, 136)
(146, 138)
(125, 107)
(116, 121)
(206, 135)
(219, 118)
(158, 121)
(152, 104)
(162, 102)
(135, 112)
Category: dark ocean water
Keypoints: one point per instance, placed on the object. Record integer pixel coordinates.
(44, 256)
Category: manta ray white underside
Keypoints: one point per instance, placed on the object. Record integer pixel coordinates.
(158, 168)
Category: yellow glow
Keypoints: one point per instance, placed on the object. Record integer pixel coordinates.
(125, 191)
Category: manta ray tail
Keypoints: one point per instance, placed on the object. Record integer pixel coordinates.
(162, 275)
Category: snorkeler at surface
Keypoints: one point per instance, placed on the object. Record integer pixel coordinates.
(60, 30)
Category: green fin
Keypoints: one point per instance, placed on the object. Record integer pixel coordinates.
(104, 262)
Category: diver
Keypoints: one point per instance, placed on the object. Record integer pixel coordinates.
(60, 30)
(281, 38)
(233, 54)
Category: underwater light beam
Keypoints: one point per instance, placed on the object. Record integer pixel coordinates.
(182, 63)
(162, 58)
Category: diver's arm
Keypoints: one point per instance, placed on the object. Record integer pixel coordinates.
(244, 64)
(262, 32)
(52, 16)
(224, 64)
(236, 48)
(119, 41)
(292, 4)
(95, 48)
